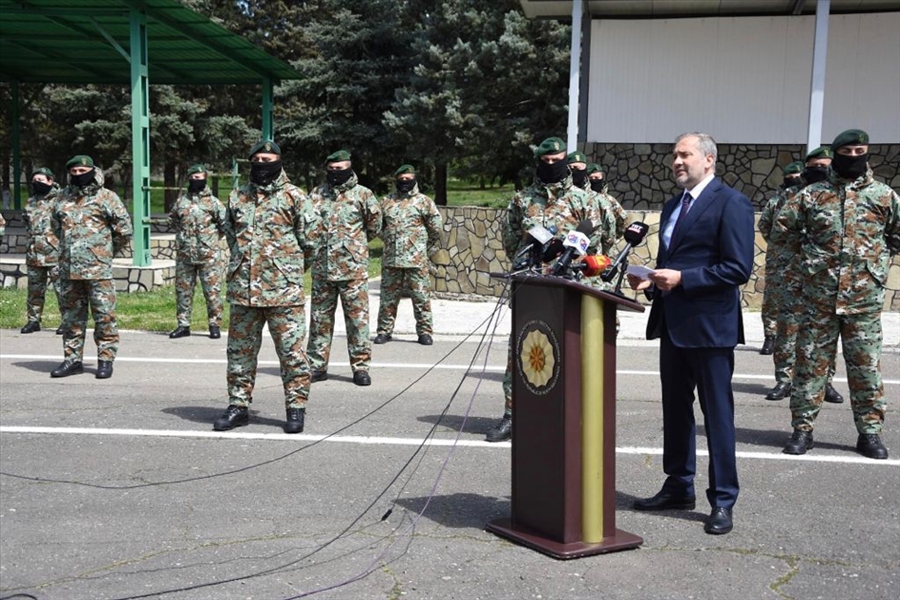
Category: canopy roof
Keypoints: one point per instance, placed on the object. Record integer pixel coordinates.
(659, 9)
(87, 41)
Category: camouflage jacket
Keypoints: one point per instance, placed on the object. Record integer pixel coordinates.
(42, 245)
(559, 205)
(350, 218)
(411, 224)
(270, 229)
(2, 225)
(780, 257)
(199, 221)
(92, 226)
(845, 232)
(613, 218)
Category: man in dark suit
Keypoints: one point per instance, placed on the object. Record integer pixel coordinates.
(705, 254)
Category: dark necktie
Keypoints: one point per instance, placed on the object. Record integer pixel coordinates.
(685, 206)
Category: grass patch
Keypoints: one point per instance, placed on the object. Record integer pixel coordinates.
(468, 193)
(146, 311)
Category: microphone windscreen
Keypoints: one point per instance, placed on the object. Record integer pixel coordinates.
(585, 227)
(595, 264)
(554, 248)
(635, 233)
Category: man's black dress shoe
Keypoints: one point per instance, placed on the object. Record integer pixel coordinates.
(383, 338)
(60, 330)
(104, 369)
(832, 395)
(501, 431)
(781, 391)
(295, 419)
(30, 327)
(68, 367)
(214, 332)
(234, 416)
(768, 346)
(869, 445)
(666, 501)
(180, 332)
(362, 378)
(425, 339)
(719, 521)
(318, 376)
(800, 442)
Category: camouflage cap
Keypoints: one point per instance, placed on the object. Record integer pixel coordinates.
(575, 157)
(552, 145)
(403, 169)
(267, 146)
(594, 168)
(851, 137)
(43, 171)
(820, 152)
(82, 160)
(339, 156)
(198, 168)
(793, 168)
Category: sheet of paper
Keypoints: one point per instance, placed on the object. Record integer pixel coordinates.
(640, 271)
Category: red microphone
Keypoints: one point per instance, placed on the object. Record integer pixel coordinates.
(594, 264)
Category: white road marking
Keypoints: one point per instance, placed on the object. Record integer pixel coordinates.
(399, 441)
(476, 368)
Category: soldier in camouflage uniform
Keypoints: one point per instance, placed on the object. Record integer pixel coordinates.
(2, 226)
(551, 201)
(411, 224)
(784, 281)
(600, 185)
(270, 227)
(776, 259)
(577, 162)
(350, 219)
(845, 229)
(199, 221)
(42, 247)
(92, 225)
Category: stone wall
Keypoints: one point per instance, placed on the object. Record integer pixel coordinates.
(471, 249)
(640, 175)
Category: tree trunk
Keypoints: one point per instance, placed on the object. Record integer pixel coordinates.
(440, 184)
(169, 181)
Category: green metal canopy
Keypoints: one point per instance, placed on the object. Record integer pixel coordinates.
(87, 41)
(127, 42)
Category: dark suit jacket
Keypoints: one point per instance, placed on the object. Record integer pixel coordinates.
(713, 249)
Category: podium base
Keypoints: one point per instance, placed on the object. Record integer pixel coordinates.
(621, 540)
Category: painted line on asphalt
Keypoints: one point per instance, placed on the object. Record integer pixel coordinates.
(375, 365)
(398, 441)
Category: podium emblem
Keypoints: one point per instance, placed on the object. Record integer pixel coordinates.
(538, 357)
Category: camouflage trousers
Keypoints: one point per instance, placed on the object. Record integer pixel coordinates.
(287, 326)
(100, 296)
(38, 280)
(354, 295)
(790, 299)
(210, 275)
(861, 338)
(393, 282)
(508, 380)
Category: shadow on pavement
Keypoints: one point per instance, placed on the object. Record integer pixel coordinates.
(463, 510)
(454, 422)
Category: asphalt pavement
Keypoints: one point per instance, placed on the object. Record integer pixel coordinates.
(119, 488)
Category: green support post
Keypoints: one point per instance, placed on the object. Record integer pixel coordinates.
(16, 148)
(268, 120)
(140, 137)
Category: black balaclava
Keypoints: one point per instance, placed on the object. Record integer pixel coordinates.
(195, 186)
(814, 174)
(405, 186)
(264, 173)
(795, 181)
(39, 188)
(850, 167)
(338, 177)
(579, 177)
(83, 180)
(552, 172)
(597, 185)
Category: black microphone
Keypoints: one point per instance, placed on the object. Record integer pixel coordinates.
(633, 235)
(530, 255)
(576, 242)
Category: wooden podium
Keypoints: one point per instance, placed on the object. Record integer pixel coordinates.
(564, 422)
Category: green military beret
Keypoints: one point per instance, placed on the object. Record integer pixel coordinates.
(43, 171)
(820, 152)
(82, 160)
(851, 137)
(793, 168)
(552, 145)
(267, 146)
(198, 168)
(575, 157)
(339, 156)
(403, 169)
(594, 168)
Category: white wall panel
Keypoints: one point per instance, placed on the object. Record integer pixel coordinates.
(743, 80)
